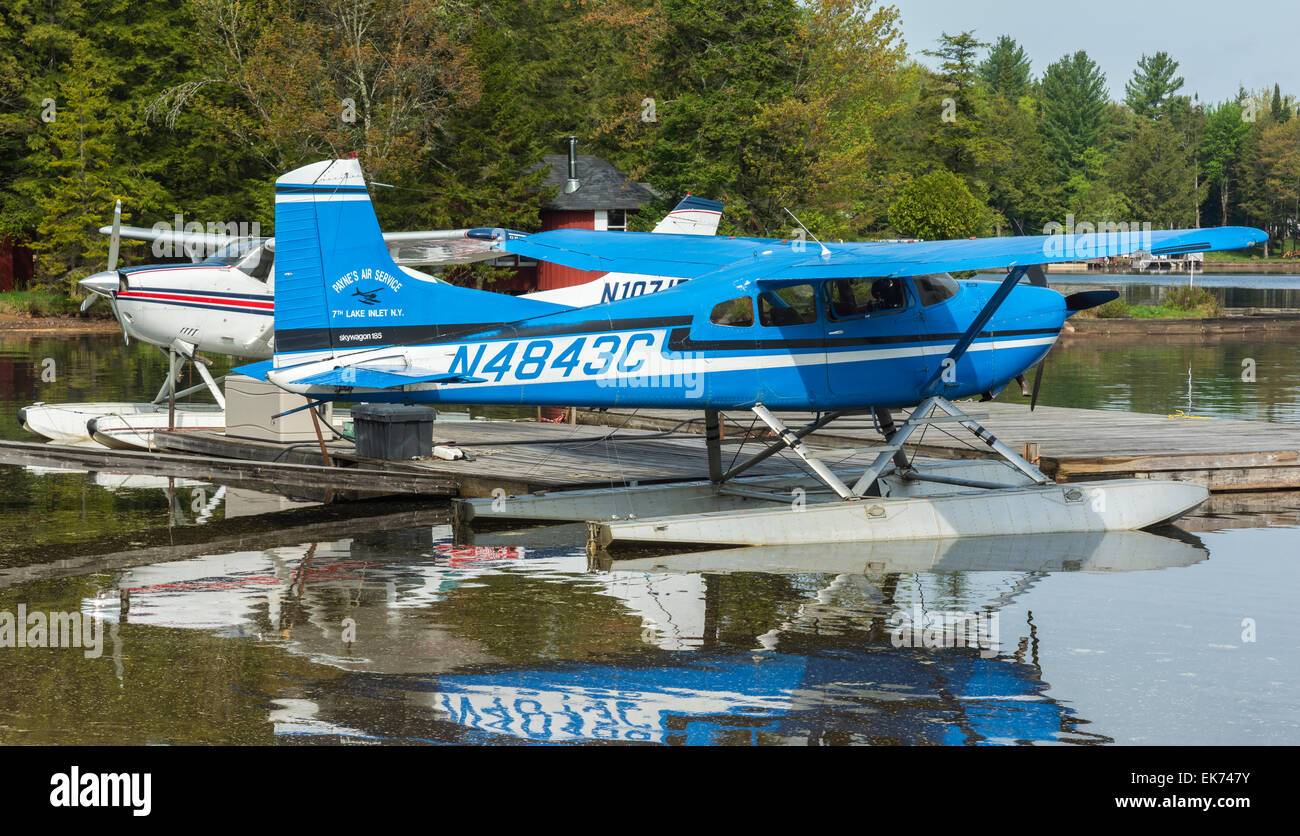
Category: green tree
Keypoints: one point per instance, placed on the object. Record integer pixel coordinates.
(1156, 172)
(1221, 149)
(78, 170)
(1278, 106)
(719, 67)
(938, 206)
(1153, 85)
(1073, 94)
(1007, 70)
(954, 104)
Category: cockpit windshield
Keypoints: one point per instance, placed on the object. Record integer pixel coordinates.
(233, 253)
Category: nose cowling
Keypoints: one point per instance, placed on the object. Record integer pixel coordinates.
(105, 283)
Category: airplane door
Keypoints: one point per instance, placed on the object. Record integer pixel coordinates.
(873, 326)
(944, 313)
(791, 343)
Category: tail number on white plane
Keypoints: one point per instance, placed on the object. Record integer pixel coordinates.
(550, 361)
(610, 292)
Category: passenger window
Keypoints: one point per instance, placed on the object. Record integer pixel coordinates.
(848, 298)
(738, 313)
(790, 305)
(932, 290)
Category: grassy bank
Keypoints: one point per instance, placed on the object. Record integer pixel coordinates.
(37, 303)
(1181, 303)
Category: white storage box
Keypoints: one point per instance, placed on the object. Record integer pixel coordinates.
(251, 405)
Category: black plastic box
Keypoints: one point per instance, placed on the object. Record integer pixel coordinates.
(392, 431)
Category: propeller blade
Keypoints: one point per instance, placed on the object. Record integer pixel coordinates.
(88, 301)
(1038, 382)
(115, 239)
(112, 303)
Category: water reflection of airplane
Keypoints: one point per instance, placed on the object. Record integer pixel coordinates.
(800, 657)
(224, 304)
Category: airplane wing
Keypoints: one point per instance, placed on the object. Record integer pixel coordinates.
(419, 247)
(644, 253)
(205, 242)
(689, 257)
(447, 246)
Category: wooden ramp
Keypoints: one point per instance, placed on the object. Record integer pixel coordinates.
(1073, 444)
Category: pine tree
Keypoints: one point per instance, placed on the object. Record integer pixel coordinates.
(1007, 70)
(1074, 103)
(1153, 85)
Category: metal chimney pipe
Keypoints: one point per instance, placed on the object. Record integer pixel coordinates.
(572, 184)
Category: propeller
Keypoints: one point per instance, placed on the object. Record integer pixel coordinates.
(114, 243)
(111, 281)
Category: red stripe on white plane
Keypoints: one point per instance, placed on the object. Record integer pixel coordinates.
(206, 300)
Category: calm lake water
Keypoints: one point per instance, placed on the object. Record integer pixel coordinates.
(228, 616)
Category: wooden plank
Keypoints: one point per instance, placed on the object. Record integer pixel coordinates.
(209, 469)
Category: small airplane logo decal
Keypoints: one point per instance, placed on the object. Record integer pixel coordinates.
(368, 297)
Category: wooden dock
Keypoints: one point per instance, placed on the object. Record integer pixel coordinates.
(521, 457)
(607, 449)
(1074, 444)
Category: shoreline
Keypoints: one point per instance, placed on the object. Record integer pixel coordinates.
(17, 324)
(1189, 326)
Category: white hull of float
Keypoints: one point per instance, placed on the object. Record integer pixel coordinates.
(1118, 505)
(135, 432)
(68, 423)
(1103, 551)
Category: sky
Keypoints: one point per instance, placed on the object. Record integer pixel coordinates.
(1219, 45)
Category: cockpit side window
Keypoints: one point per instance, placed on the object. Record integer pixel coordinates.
(257, 263)
(936, 288)
(851, 298)
(737, 313)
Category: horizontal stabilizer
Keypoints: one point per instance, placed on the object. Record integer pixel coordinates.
(257, 371)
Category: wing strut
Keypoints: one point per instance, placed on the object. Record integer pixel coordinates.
(932, 386)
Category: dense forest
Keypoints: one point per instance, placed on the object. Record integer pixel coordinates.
(194, 107)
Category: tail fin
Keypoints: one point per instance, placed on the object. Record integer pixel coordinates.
(337, 287)
(693, 216)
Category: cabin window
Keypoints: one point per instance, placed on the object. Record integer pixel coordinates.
(257, 263)
(936, 288)
(794, 304)
(849, 298)
(737, 313)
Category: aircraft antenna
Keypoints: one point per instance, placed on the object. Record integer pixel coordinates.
(826, 253)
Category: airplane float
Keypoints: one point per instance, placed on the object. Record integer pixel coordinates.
(223, 304)
(761, 325)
